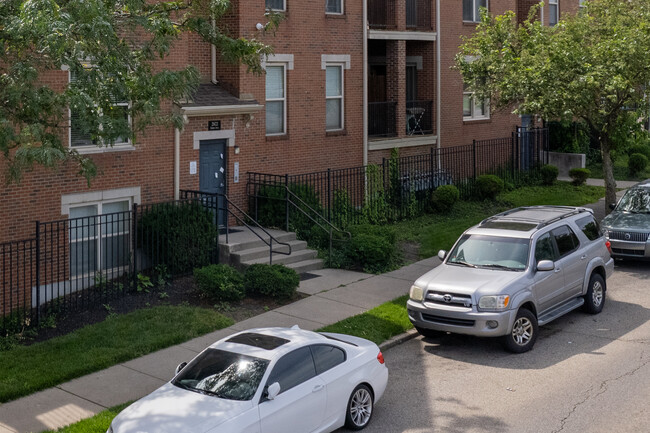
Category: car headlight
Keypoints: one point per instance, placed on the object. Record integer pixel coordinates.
(499, 302)
(416, 293)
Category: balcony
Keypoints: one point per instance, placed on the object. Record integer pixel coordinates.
(382, 14)
(381, 119)
(418, 15)
(419, 115)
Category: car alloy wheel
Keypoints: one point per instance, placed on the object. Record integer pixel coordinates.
(524, 332)
(359, 408)
(595, 296)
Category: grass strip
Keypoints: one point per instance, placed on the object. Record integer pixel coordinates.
(376, 325)
(27, 369)
(96, 424)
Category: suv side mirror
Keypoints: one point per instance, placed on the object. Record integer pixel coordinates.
(442, 254)
(180, 367)
(273, 390)
(545, 265)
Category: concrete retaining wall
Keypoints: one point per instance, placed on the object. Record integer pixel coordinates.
(566, 161)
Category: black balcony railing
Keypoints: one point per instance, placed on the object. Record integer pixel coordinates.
(381, 119)
(382, 13)
(418, 14)
(419, 117)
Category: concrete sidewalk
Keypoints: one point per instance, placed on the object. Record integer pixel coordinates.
(335, 295)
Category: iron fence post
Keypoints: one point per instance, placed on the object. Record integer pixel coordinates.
(135, 247)
(512, 155)
(474, 157)
(431, 168)
(38, 273)
(329, 195)
(286, 200)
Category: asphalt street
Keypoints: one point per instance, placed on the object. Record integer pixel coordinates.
(585, 374)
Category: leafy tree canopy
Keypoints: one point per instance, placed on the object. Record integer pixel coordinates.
(592, 66)
(110, 48)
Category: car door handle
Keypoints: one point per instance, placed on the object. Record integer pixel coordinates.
(583, 257)
(557, 269)
(317, 388)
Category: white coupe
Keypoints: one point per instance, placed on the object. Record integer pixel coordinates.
(266, 380)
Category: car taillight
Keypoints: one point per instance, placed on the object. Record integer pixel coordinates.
(608, 244)
(380, 358)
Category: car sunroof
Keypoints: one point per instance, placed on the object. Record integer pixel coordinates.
(262, 341)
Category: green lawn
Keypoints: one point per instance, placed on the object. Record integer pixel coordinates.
(97, 424)
(620, 170)
(27, 369)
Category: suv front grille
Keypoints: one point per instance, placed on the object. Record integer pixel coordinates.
(629, 252)
(453, 299)
(629, 236)
(447, 320)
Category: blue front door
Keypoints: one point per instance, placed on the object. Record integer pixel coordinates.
(212, 172)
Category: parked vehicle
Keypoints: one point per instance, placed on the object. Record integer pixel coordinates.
(514, 272)
(627, 227)
(266, 380)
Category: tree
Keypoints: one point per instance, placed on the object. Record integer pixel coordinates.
(591, 66)
(110, 48)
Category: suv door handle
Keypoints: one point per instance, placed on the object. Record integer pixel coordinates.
(557, 269)
(584, 256)
(317, 388)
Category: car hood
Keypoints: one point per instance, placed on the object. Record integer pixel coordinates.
(171, 409)
(467, 281)
(626, 221)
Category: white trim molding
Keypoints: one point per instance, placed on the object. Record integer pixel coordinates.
(278, 58)
(343, 59)
(415, 59)
(228, 134)
(73, 200)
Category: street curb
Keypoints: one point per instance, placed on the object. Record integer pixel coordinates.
(398, 339)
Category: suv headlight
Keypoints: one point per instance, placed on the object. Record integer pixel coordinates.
(499, 302)
(416, 293)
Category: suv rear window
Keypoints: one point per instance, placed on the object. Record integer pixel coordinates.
(589, 227)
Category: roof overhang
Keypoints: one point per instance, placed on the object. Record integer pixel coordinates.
(220, 110)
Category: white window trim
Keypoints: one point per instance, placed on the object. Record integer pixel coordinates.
(336, 13)
(477, 19)
(326, 59)
(484, 116)
(284, 6)
(341, 97)
(557, 11)
(284, 66)
(100, 147)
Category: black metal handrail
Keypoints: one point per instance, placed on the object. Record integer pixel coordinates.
(229, 203)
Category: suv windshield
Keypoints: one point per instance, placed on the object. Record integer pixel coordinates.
(490, 252)
(635, 200)
(223, 374)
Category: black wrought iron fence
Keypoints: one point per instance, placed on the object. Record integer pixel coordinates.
(77, 263)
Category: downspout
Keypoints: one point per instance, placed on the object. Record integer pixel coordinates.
(213, 60)
(438, 75)
(177, 162)
(364, 111)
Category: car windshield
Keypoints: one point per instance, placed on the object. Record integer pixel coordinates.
(224, 374)
(635, 200)
(490, 252)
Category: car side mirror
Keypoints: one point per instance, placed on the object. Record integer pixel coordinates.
(180, 367)
(442, 254)
(612, 206)
(273, 390)
(545, 265)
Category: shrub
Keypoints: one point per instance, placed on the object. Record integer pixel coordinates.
(180, 236)
(271, 207)
(489, 186)
(637, 163)
(220, 282)
(643, 149)
(276, 281)
(549, 174)
(579, 175)
(444, 198)
(371, 249)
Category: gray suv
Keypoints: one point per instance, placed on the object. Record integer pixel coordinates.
(514, 272)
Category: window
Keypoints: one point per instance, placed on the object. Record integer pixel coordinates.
(293, 369)
(276, 5)
(554, 12)
(566, 240)
(589, 227)
(99, 237)
(545, 250)
(276, 101)
(326, 357)
(474, 109)
(334, 6)
(471, 10)
(334, 97)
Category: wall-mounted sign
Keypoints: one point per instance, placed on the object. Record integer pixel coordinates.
(192, 167)
(214, 125)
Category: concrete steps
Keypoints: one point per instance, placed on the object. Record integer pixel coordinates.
(243, 248)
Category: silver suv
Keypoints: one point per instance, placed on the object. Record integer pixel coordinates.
(514, 272)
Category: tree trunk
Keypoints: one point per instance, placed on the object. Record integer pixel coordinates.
(608, 173)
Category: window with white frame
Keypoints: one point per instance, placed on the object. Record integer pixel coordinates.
(471, 10)
(99, 238)
(334, 6)
(554, 12)
(276, 5)
(276, 99)
(474, 109)
(333, 97)
(582, 5)
(81, 137)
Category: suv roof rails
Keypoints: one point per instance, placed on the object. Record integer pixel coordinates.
(540, 223)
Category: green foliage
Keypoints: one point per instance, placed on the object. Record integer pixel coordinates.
(444, 198)
(181, 236)
(488, 186)
(95, 424)
(568, 137)
(272, 207)
(220, 283)
(549, 174)
(371, 249)
(643, 149)
(277, 281)
(144, 283)
(579, 175)
(637, 163)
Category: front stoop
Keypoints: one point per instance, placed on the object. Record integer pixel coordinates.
(243, 248)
